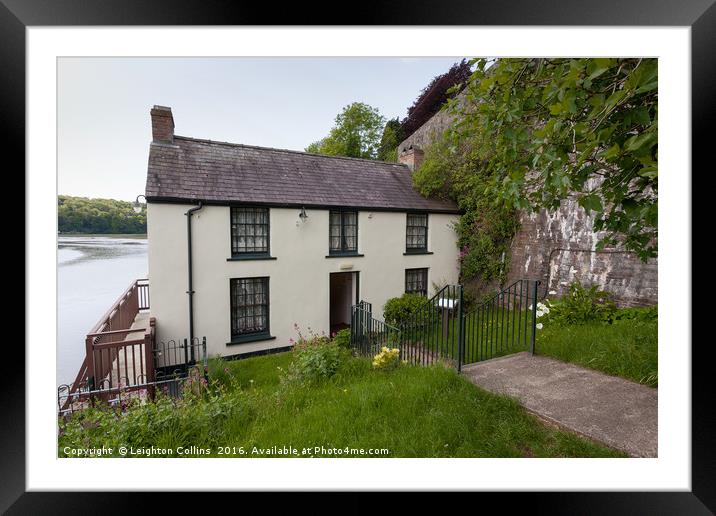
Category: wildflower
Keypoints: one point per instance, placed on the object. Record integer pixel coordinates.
(333, 334)
(539, 326)
(552, 292)
(226, 370)
(291, 341)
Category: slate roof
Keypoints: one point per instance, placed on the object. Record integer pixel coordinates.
(216, 172)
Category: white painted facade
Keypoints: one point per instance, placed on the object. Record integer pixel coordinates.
(299, 288)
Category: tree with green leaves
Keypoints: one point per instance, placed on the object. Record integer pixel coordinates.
(541, 130)
(356, 133)
(392, 136)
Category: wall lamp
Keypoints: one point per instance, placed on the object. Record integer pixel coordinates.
(303, 215)
(136, 206)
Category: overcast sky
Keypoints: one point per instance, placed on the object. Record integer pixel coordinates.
(103, 106)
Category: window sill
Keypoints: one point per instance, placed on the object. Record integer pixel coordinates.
(256, 337)
(250, 257)
(407, 253)
(343, 255)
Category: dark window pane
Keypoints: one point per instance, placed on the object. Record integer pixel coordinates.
(343, 231)
(249, 306)
(249, 230)
(416, 281)
(416, 231)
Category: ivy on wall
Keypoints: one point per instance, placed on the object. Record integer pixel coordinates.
(488, 224)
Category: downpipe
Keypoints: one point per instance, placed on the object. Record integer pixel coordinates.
(190, 278)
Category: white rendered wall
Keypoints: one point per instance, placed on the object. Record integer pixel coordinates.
(299, 277)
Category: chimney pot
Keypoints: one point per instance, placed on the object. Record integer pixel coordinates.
(162, 124)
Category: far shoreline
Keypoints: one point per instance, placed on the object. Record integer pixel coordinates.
(123, 235)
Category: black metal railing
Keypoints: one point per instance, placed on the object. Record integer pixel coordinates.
(173, 358)
(369, 335)
(442, 330)
(502, 324)
(434, 332)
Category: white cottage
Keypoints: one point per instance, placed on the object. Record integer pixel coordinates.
(246, 242)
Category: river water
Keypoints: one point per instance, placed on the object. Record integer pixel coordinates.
(92, 272)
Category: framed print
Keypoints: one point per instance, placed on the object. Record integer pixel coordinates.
(418, 250)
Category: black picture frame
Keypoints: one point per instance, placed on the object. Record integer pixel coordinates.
(700, 15)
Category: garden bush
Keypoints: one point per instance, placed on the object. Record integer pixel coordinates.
(317, 362)
(399, 309)
(580, 306)
(642, 314)
(343, 338)
(315, 357)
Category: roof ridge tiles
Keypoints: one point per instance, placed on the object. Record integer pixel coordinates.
(218, 142)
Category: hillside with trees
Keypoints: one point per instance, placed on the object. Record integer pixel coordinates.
(108, 216)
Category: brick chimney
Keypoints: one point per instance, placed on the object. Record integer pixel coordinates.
(162, 124)
(412, 156)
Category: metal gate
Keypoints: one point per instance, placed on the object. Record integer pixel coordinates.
(442, 330)
(503, 324)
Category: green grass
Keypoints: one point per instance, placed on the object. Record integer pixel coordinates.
(626, 348)
(412, 411)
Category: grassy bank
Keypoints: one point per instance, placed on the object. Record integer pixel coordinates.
(411, 411)
(625, 348)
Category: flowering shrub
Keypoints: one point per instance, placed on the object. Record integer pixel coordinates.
(318, 362)
(542, 310)
(311, 340)
(387, 360)
(316, 357)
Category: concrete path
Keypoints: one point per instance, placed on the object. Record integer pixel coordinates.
(612, 410)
